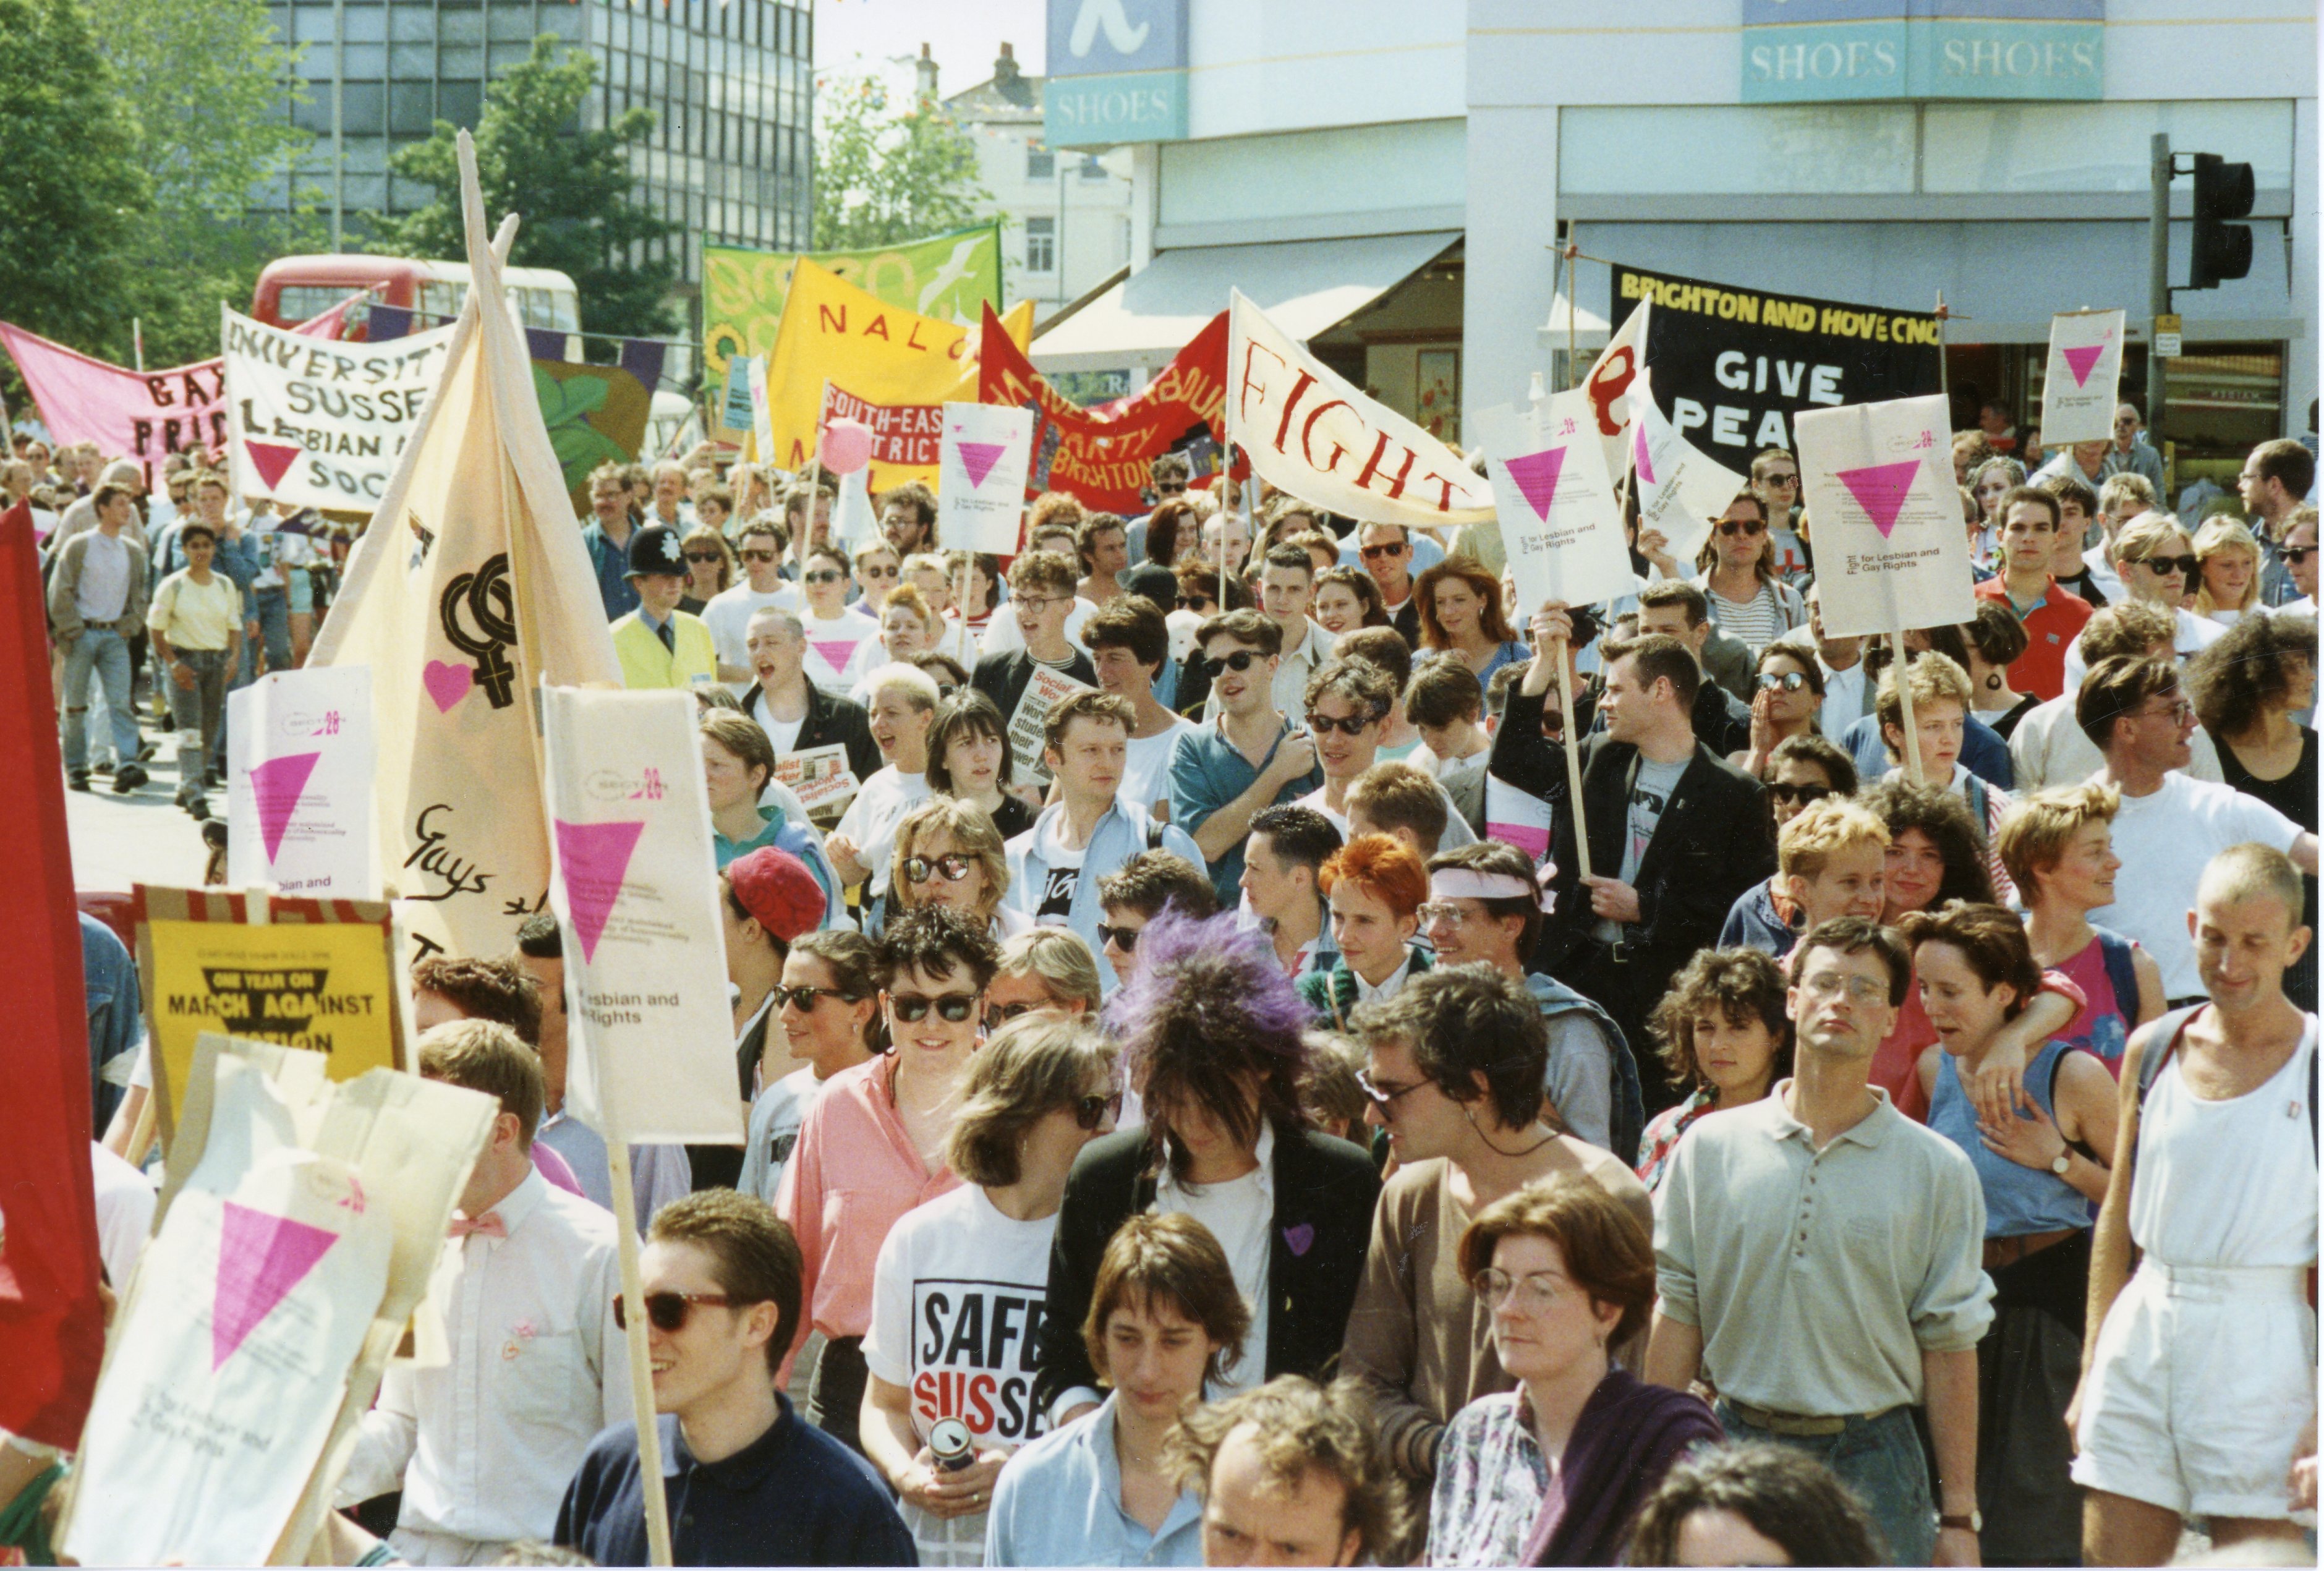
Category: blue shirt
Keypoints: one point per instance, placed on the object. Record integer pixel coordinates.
(613, 565)
(1207, 772)
(794, 1496)
(1754, 923)
(1117, 837)
(2018, 1199)
(785, 835)
(1983, 751)
(116, 1021)
(1059, 1503)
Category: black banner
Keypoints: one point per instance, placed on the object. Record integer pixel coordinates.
(1731, 366)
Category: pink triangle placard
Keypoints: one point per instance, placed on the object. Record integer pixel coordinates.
(1880, 489)
(979, 458)
(274, 786)
(1535, 475)
(1640, 456)
(261, 1258)
(2079, 358)
(595, 858)
(273, 461)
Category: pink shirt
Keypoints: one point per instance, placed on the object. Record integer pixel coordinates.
(853, 1173)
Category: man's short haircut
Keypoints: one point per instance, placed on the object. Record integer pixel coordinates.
(2035, 831)
(1170, 1261)
(1291, 559)
(1855, 936)
(2070, 488)
(1394, 795)
(877, 546)
(1819, 830)
(1443, 691)
(1382, 866)
(1358, 682)
(743, 737)
(1298, 837)
(1788, 1496)
(1382, 646)
(1060, 960)
(1498, 857)
(1254, 629)
(484, 1054)
(1676, 592)
(1133, 622)
(1153, 881)
(2127, 627)
(835, 555)
(2115, 688)
(2146, 535)
(1302, 1430)
(194, 529)
(1463, 1021)
(937, 942)
(1766, 458)
(1992, 940)
(1199, 581)
(2286, 459)
(1608, 1253)
(1105, 709)
(2034, 496)
(1933, 679)
(109, 492)
(2125, 486)
(1995, 633)
(1659, 658)
(2252, 870)
(497, 989)
(753, 1257)
(1028, 1069)
(1741, 986)
(1085, 535)
(916, 495)
(1169, 466)
(1046, 572)
(538, 938)
(919, 688)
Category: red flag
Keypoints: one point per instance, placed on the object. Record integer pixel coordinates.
(50, 1321)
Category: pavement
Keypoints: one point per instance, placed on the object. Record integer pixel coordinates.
(143, 837)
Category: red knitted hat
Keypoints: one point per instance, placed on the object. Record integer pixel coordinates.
(777, 888)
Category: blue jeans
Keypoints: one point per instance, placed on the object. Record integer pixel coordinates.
(106, 652)
(273, 609)
(200, 710)
(1881, 1460)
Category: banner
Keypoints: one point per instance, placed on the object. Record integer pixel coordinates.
(1561, 525)
(1100, 456)
(1891, 553)
(1611, 377)
(2082, 386)
(951, 277)
(1518, 818)
(633, 888)
(980, 497)
(300, 760)
(317, 425)
(1314, 435)
(1028, 726)
(762, 429)
(1734, 367)
(594, 414)
(470, 587)
(903, 436)
(142, 415)
(1680, 489)
(734, 401)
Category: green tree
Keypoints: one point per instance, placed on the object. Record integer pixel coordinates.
(570, 189)
(881, 179)
(70, 182)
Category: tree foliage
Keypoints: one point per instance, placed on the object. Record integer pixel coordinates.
(881, 179)
(570, 189)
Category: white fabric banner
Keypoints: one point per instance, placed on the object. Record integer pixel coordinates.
(1305, 429)
(300, 756)
(1892, 553)
(982, 461)
(322, 424)
(1561, 525)
(1681, 489)
(635, 890)
(2081, 386)
(469, 588)
(1609, 384)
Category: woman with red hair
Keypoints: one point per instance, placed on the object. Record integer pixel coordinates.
(1461, 611)
(1375, 886)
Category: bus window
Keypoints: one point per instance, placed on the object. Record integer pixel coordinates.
(304, 301)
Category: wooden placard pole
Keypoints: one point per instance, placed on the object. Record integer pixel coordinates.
(1944, 376)
(633, 1308)
(1572, 313)
(1904, 697)
(1562, 656)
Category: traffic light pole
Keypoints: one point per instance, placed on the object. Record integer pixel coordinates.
(2158, 277)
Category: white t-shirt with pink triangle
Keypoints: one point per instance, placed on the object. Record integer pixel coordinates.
(831, 646)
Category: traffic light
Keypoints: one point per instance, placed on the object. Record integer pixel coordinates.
(2221, 250)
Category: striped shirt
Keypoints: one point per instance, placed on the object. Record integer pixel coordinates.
(1757, 622)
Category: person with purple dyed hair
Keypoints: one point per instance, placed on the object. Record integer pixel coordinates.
(1210, 1029)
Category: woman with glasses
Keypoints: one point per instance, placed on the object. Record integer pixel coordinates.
(968, 759)
(1786, 697)
(948, 854)
(955, 1292)
(827, 1010)
(709, 568)
(1552, 1473)
(1461, 612)
(1723, 1033)
(1776, 477)
(877, 570)
(1346, 599)
(2158, 567)
(834, 627)
(2227, 560)
(1749, 600)
(874, 1147)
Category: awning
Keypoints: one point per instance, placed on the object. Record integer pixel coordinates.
(1304, 286)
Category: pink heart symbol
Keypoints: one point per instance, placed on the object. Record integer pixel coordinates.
(1300, 1236)
(447, 683)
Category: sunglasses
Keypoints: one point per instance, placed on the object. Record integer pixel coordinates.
(1787, 681)
(1783, 480)
(669, 1311)
(877, 572)
(1374, 553)
(1807, 795)
(1735, 526)
(1194, 602)
(758, 556)
(1240, 659)
(921, 870)
(1346, 726)
(702, 559)
(1092, 1111)
(1125, 938)
(1380, 1096)
(912, 1008)
(805, 997)
(825, 576)
(1170, 488)
(1001, 1014)
(2164, 566)
(2297, 555)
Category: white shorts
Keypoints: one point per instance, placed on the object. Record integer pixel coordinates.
(2201, 1384)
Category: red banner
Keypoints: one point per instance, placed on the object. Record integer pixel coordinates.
(904, 435)
(1099, 456)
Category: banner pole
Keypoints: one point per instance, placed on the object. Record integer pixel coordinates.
(1904, 696)
(633, 1308)
(1229, 498)
(1562, 657)
(1573, 310)
(1944, 375)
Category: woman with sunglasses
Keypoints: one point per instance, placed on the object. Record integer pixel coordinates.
(874, 1147)
(1461, 612)
(953, 1291)
(948, 854)
(877, 570)
(834, 627)
(2227, 559)
(1346, 599)
(1749, 601)
(968, 759)
(2158, 567)
(709, 568)
(1786, 697)
(828, 1013)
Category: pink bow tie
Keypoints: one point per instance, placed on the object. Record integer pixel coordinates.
(489, 1225)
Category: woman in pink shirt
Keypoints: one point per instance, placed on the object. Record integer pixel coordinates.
(874, 1146)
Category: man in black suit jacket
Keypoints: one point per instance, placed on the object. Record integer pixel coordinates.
(777, 643)
(1674, 831)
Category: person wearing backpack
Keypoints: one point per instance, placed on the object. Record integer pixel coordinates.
(2058, 846)
(2197, 1396)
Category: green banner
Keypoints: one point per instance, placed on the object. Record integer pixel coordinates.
(951, 277)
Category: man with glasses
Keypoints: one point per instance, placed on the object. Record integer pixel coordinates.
(2170, 824)
(606, 538)
(1385, 550)
(749, 1484)
(2053, 617)
(1248, 757)
(1041, 600)
(1141, 890)
(2130, 453)
(1454, 1065)
(1090, 830)
(728, 614)
(1811, 1339)
(1776, 480)
(907, 518)
(2275, 482)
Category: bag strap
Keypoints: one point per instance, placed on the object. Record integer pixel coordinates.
(2174, 1026)
(2122, 973)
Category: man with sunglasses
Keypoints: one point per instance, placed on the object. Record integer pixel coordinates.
(2300, 560)
(2053, 617)
(1248, 757)
(763, 587)
(1776, 481)
(1386, 552)
(748, 1483)
(659, 646)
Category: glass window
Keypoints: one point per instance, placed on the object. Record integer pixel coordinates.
(366, 192)
(1040, 245)
(315, 114)
(1804, 149)
(411, 23)
(460, 26)
(410, 107)
(509, 19)
(1091, 168)
(502, 57)
(312, 25)
(461, 102)
(564, 21)
(363, 154)
(280, 16)
(362, 60)
(1040, 163)
(460, 62)
(361, 24)
(404, 196)
(363, 108)
(315, 61)
(2094, 147)
(407, 60)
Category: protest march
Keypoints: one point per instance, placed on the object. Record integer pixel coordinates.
(933, 972)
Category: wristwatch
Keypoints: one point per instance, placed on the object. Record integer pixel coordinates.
(2065, 1161)
(1974, 1522)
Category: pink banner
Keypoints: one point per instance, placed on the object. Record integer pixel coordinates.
(132, 414)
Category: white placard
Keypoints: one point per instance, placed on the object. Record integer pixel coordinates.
(2083, 384)
(852, 521)
(320, 423)
(1681, 489)
(633, 883)
(982, 462)
(1560, 524)
(1028, 726)
(819, 777)
(1892, 552)
(762, 411)
(1518, 818)
(300, 756)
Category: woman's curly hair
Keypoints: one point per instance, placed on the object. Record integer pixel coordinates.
(2248, 668)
